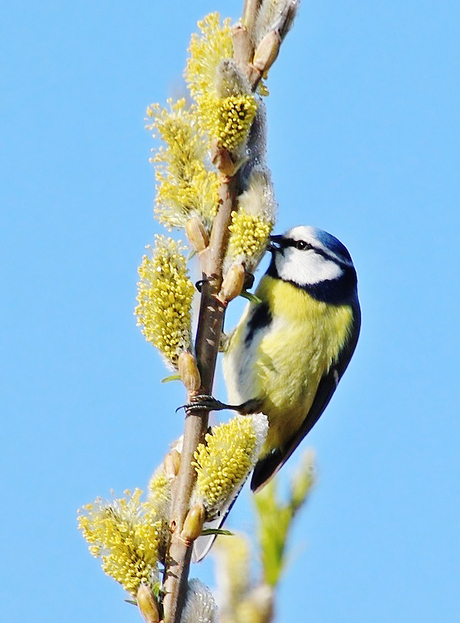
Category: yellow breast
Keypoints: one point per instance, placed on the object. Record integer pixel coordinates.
(285, 364)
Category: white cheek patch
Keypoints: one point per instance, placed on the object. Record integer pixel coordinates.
(306, 267)
(314, 237)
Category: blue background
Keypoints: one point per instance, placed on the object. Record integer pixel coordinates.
(363, 142)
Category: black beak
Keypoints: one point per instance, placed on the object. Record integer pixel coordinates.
(276, 243)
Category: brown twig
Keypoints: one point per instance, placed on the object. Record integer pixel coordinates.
(209, 330)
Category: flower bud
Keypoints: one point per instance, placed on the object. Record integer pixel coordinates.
(243, 47)
(189, 372)
(233, 283)
(197, 234)
(193, 524)
(230, 81)
(171, 464)
(147, 605)
(267, 51)
(200, 606)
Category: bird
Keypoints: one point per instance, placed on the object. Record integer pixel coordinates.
(294, 341)
(290, 348)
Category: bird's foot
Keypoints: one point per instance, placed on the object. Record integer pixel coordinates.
(209, 403)
(204, 402)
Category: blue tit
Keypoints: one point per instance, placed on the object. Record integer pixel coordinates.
(291, 348)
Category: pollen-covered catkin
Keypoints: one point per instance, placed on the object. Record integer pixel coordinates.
(164, 297)
(224, 462)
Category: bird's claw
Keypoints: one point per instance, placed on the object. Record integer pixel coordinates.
(203, 402)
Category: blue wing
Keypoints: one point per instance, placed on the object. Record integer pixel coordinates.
(267, 467)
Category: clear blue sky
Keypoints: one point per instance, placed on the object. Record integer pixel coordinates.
(363, 142)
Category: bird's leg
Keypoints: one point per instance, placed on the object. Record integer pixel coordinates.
(210, 403)
(254, 405)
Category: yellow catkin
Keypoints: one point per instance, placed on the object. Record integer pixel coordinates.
(225, 460)
(185, 185)
(234, 560)
(228, 119)
(249, 234)
(206, 52)
(125, 537)
(164, 299)
(159, 492)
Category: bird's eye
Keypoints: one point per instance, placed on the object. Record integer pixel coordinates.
(301, 245)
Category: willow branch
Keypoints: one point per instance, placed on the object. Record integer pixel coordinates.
(210, 323)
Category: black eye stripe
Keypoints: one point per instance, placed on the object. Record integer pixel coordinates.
(300, 244)
(306, 246)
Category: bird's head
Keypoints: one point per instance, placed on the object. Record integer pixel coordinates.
(306, 256)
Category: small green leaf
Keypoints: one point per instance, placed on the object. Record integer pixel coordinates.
(173, 377)
(217, 531)
(158, 590)
(133, 602)
(250, 297)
